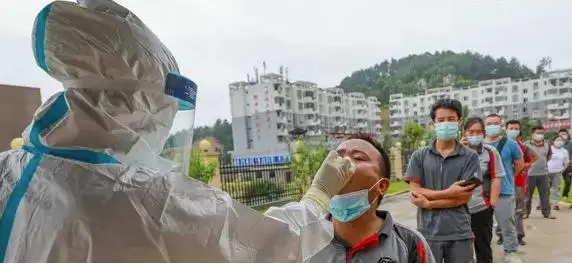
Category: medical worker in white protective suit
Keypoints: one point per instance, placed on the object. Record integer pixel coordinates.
(89, 184)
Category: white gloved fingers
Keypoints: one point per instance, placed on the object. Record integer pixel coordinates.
(347, 166)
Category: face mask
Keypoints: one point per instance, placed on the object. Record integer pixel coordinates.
(475, 140)
(538, 137)
(492, 130)
(349, 206)
(565, 137)
(512, 134)
(446, 130)
(558, 144)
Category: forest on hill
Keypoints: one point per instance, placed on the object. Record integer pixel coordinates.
(414, 73)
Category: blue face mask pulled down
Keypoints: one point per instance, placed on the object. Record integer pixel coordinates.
(493, 130)
(446, 130)
(349, 206)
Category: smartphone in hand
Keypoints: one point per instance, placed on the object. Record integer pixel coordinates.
(471, 181)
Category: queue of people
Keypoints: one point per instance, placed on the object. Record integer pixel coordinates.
(498, 173)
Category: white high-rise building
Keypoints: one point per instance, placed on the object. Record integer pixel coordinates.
(266, 108)
(547, 98)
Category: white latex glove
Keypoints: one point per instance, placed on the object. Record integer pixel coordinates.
(331, 177)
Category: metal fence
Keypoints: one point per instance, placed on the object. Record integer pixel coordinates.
(259, 185)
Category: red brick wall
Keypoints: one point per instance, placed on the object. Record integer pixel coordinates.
(17, 106)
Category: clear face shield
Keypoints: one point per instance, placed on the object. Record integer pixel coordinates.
(176, 153)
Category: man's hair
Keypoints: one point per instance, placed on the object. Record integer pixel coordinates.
(536, 128)
(472, 120)
(385, 166)
(564, 130)
(447, 103)
(512, 122)
(494, 115)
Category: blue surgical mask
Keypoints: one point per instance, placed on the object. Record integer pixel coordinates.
(475, 140)
(446, 130)
(349, 206)
(558, 144)
(538, 137)
(493, 130)
(512, 134)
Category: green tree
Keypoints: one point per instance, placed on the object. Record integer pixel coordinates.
(466, 113)
(387, 142)
(221, 130)
(413, 135)
(305, 163)
(200, 169)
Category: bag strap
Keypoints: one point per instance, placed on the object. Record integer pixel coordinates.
(501, 144)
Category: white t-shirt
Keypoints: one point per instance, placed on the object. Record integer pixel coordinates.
(560, 158)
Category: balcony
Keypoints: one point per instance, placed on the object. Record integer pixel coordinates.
(378, 126)
(336, 103)
(359, 107)
(308, 111)
(558, 106)
(394, 106)
(396, 132)
(559, 116)
(312, 122)
(308, 99)
(394, 124)
(337, 113)
(361, 124)
(281, 120)
(282, 132)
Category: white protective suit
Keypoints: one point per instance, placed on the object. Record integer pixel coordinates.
(79, 192)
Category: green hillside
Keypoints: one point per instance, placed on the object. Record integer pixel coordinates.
(410, 74)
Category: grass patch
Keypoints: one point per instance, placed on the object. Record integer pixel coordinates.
(563, 199)
(262, 209)
(397, 186)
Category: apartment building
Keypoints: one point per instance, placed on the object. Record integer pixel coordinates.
(266, 108)
(547, 98)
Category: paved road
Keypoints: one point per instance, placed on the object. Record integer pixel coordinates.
(548, 240)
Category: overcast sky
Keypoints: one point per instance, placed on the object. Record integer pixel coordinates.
(219, 41)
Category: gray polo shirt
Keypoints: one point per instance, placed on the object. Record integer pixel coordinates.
(432, 171)
(491, 168)
(540, 166)
(393, 243)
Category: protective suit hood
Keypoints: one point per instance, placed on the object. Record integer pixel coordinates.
(113, 69)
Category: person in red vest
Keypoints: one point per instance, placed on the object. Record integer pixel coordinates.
(520, 180)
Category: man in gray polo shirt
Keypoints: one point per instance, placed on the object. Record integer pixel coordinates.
(538, 173)
(434, 174)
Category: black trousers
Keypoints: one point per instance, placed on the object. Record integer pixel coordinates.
(482, 226)
(567, 175)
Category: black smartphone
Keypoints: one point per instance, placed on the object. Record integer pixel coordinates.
(474, 180)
